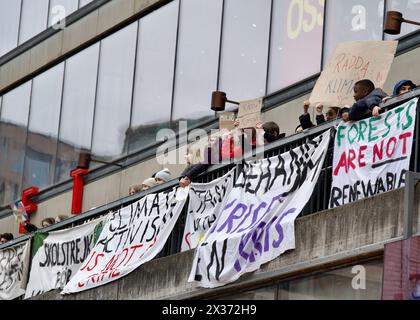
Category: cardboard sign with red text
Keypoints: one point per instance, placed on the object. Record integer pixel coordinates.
(131, 236)
(372, 155)
(349, 63)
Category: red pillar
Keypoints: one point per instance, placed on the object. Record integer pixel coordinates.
(77, 175)
(30, 206)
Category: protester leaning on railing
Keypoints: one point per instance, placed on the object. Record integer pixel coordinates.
(401, 87)
(367, 101)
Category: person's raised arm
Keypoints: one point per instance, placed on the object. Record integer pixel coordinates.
(320, 118)
(305, 118)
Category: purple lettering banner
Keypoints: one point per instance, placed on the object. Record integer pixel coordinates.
(256, 224)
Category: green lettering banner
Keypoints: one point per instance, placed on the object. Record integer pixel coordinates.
(372, 155)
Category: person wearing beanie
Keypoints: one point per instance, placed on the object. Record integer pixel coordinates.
(148, 183)
(163, 176)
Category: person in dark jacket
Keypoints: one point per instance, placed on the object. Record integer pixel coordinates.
(403, 86)
(29, 227)
(367, 101)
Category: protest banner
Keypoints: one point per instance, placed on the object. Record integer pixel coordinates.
(14, 264)
(349, 63)
(131, 236)
(56, 256)
(371, 156)
(205, 202)
(249, 113)
(257, 223)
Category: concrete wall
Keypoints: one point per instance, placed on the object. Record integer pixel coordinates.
(344, 235)
(9, 225)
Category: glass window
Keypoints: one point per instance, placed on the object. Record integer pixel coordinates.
(115, 86)
(9, 25)
(296, 42)
(197, 58)
(410, 10)
(84, 2)
(154, 75)
(352, 20)
(60, 9)
(337, 284)
(77, 109)
(38, 165)
(15, 107)
(34, 18)
(13, 128)
(43, 127)
(244, 52)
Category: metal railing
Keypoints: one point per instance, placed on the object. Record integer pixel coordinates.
(319, 200)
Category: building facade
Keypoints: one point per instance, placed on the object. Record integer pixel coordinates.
(115, 72)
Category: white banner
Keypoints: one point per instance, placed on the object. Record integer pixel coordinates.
(131, 236)
(205, 202)
(372, 155)
(14, 264)
(58, 255)
(257, 223)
